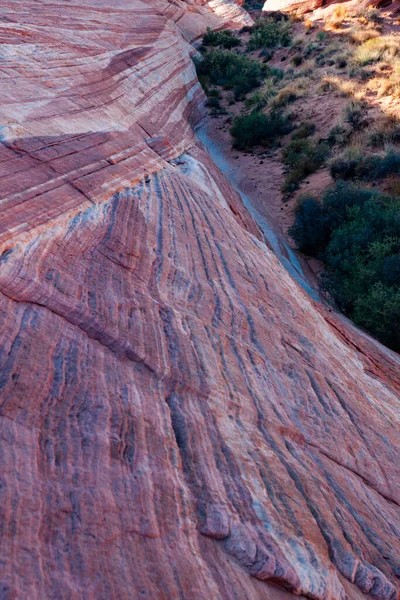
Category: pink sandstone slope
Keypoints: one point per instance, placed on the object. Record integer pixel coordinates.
(178, 419)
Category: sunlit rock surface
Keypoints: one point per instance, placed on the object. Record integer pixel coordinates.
(305, 6)
(178, 419)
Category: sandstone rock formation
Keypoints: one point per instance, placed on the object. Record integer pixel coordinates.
(178, 418)
(306, 6)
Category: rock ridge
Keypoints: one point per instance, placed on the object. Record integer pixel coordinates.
(178, 418)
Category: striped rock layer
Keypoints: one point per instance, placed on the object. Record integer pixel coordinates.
(178, 419)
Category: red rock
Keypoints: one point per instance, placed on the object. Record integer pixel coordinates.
(306, 6)
(178, 418)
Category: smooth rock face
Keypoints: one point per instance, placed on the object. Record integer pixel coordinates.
(178, 419)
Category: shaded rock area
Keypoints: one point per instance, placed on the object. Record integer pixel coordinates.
(178, 419)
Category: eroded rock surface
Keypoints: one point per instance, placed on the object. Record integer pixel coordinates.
(178, 419)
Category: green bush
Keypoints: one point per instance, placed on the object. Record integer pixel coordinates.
(226, 39)
(297, 60)
(386, 133)
(353, 113)
(258, 128)
(270, 33)
(339, 135)
(213, 102)
(231, 70)
(353, 163)
(302, 157)
(214, 93)
(311, 229)
(356, 232)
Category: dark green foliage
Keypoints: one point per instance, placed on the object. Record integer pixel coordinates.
(356, 232)
(341, 62)
(231, 70)
(355, 164)
(258, 128)
(302, 157)
(214, 92)
(311, 227)
(226, 39)
(213, 102)
(297, 60)
(270, 33)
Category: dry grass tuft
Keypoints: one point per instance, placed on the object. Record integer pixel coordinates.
(383, 48)
(339, 16)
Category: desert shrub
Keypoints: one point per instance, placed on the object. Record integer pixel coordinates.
(297, 60)
(385, 132)
(304, 131)
(309, 25)
(286, 96)
(339, 135)
(353, 113)
(341, 62)
(378, 311)
(213, 102)
(369, 14)
(270, 33)
(231, 70)
(226, 39)
(339, 16)
(261, 97)
(361, 34)
(374, 50)
(311, 49)
(356, 232)
(302, 157)
(389, 86)
(353, 163)
(214, 93)
(311, 228)
(258, 128)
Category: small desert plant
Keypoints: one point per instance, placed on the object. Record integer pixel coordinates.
(339, 16)
(231, 70)
(226, 39)
(369, 14)
(261, 98)
(345, 164)
(385, 132)
(309, 25)
(361, 34)
(353, 163)
(304, 130)
(353, 114)
(302, 157)
(380, 48)
(297, 60)
(214, 92)
(213, 102)
(339, 135)
(270, 33)
(258, 128)
(287, 95)
(341, 62)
